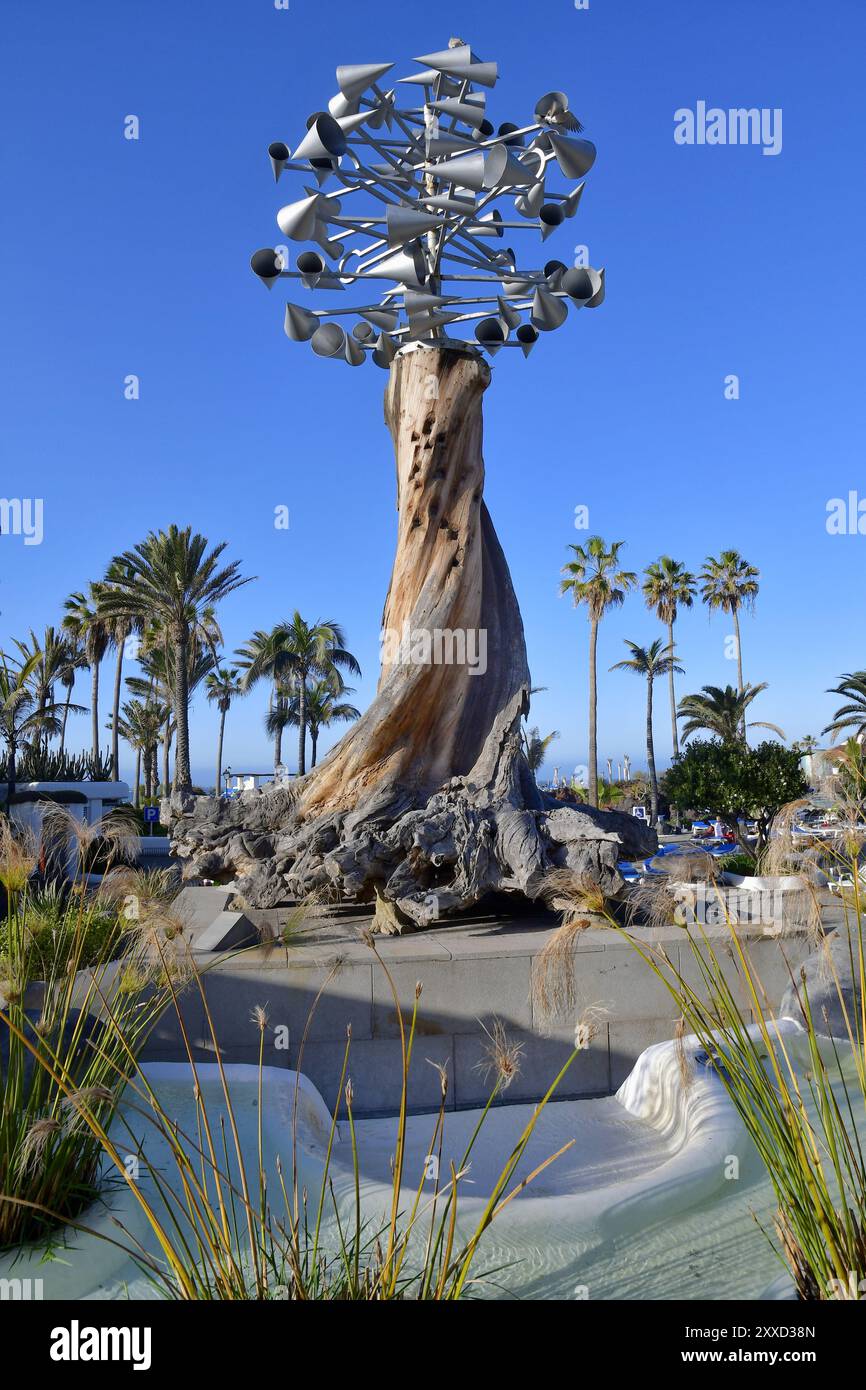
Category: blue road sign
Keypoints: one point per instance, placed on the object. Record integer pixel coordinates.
(151, 813)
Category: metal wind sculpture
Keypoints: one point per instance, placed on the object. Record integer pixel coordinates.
(427, 804)
(415, 210)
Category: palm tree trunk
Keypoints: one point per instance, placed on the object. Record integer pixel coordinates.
(65, 717)
(314, 739)
(94, 708)
(650, 754)
(302, 725)
(182, 774)
(115, 736)
(672, 692)
(278, 737)
(739, 662)
(137, 779)
(739, 651)
(593, 714)
(219, 762)
(166, 748)
(10, 773)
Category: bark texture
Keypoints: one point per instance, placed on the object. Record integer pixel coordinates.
(427, 803)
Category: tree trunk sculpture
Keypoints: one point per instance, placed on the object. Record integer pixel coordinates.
(427, 804)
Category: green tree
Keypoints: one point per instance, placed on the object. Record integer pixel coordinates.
(535, 747)
(737, 783)
(22, 721)
(729, 584)
(172, 577)
(120, 626)
(140, 724)
(723, 712)
(222, 686)
(86, 625)
(267, 656)
(53, 660)
(293, 654)
(324, 705)
(594, 578)
(852, 686)
(650, 662)
(667, 587)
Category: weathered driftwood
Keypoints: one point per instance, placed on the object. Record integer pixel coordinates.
(427, 804)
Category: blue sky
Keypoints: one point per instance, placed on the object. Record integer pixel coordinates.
(132, 257)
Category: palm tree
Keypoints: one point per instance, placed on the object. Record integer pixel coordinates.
(52, 666)
(74, 663)
(22, 721)
(323, 706)
(722, 712)
(535, 747)
(729, 584)
(222, 687)
(266, 654)
(667, 587)
(120, 626)
(651, 662)
(156, 659)
(852, 686)
(140, 723)
(593, 578)
(85, 624)
(173, 578)
(291, 654)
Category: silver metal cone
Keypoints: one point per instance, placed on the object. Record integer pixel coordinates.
(300, 324)
(508, 315)
(467, 170)
(553, 273)
(569, 204)
(548, 312)
(470, 111)
(405, 224)
(550, 216)
(438, 146)
(583, 284)
(278, 153)
(448, 59)
(298, 220)
(353, 352)
(329, 340)
(353, 79)
(529, 204)
(491, 334)
(527, 337)
(385, 319)
(323, 140)
(406, 265)
(490, 224)
(266, 265)
(574, 157)
(341, 105)
(466, 206)
(384, 351)
(419, 302)
(598, 297)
